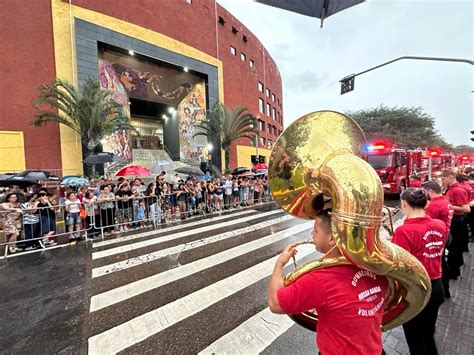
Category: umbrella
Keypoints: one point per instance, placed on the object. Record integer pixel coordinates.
(101, 158)
(73, 180)
(240, 170)
(134, 170)
(160, 165)
(260, 167)
(33, 175)
(314, 8)
(247, 173)
(5, 181)
(190, 170)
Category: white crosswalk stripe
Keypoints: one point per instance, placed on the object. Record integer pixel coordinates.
(142, 327)
(170, 229)
(132, 289)
(251, 335)
(147, 243)
(146, 258)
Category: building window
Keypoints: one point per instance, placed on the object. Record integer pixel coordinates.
(261, 108)
(260, 86)
(270, 144)
(269, 112)
(262, 141)
(244, 38)
(261, 126)
(189, 1)
(269, 129)
(243, 56)
(234, 30)
(268, 93)
(221, 20)
(252, 63)
(278, 102)
(233, 50)
(273, 97)
(273, 113)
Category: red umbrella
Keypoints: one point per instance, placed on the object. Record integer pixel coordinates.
(134, 170)
(260, 167)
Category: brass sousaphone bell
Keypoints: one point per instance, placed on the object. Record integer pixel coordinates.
(318, 157)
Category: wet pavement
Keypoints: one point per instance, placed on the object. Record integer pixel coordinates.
(199, 286)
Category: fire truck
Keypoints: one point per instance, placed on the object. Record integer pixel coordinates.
(439, 162)
(394, 165)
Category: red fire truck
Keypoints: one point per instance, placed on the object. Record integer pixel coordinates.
(439, 162)
(394, 165)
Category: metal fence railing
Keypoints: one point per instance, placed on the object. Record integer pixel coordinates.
(39, 224)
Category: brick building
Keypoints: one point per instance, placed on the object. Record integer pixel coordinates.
(168, 61)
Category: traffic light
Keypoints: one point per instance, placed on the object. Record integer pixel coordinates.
(472, 138)
(347, 84)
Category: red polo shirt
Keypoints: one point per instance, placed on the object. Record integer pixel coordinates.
(440, 208)
(457, 196)
(424, 238)
(349, 302)
(472, 190)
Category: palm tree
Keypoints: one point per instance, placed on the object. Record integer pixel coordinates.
(89, 111)
(228, 125)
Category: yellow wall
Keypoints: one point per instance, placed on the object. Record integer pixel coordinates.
(71, 154)
(12, 152)
(244, 155)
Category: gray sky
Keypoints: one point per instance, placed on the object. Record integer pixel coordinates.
(313, 60)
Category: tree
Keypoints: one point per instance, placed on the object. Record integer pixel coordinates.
(228, 126)
(463, 149)
(406, 126)
(89, 111)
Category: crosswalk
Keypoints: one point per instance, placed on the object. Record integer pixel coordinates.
(197, 287)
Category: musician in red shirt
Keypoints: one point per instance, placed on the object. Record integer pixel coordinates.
(415, 181)
(345, 297)
(459, 199)
(470, 215)
(423, 237)
(439, 208)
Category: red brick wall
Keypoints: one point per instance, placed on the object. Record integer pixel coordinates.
(26, 62)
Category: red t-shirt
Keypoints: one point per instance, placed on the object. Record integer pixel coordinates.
(466, 186)
(457, 196)
(471, 184)
(424, 238)
(414, 183)
(440, 208)
(350, 304)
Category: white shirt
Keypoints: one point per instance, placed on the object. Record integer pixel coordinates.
(73, 206)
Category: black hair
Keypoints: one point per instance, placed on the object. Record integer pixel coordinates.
(325, 217)
(416, 198)
(433, 186)
(461, 177)
(102, 187)
(10, 195)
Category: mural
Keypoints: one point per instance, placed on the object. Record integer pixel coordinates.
(131, 77)
(143, 80)
(192, 110)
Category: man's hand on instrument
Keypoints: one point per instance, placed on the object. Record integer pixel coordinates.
(286, 254)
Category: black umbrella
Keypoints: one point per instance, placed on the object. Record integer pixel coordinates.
(314, 8)
(5, 181)
(189, 170)
(33, 175)
(101, 158)
(240, 170)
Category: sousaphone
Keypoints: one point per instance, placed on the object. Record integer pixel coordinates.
(318, 158)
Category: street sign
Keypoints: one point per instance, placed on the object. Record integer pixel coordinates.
(347, 84)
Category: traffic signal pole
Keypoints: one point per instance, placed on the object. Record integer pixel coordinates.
(347, 83)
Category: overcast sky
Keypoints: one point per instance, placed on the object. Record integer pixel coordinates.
(313, 60)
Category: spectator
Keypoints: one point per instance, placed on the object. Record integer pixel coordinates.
(47, 220)
(124, 206)
(92, 219)
(181, 196)
(228, 192)
(235, 192)
(106, 204)
(11, 217)
(31, 220)
(152, 193)
(73, 220)
(141, 213)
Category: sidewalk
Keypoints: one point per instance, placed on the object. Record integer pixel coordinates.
(455, 325)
